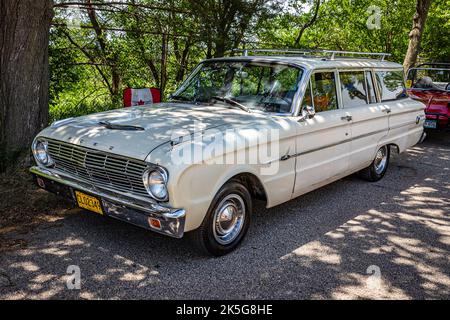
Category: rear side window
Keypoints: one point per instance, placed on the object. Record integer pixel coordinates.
(353, 88)
(391, 85)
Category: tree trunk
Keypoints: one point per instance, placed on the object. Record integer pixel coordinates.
(415, 36)
(24, 80)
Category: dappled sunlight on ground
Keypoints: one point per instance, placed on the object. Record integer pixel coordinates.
(348, 240)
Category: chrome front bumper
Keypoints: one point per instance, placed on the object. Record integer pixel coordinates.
(124, 208)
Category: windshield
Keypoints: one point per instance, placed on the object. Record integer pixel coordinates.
(429, 78)
(266, 87)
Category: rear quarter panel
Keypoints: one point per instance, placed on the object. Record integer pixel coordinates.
(405, 123)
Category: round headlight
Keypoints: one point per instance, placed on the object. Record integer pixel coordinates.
(155, 183)
(40, 153)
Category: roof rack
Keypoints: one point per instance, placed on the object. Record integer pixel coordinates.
(328, 54)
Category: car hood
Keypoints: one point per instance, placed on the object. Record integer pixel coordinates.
(162, 123)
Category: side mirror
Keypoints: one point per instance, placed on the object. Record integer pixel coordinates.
(308, 112)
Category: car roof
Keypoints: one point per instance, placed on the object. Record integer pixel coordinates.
(314, 63)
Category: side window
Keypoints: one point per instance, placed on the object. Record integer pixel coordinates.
(391, 85)
(324, 91)
(354, 89)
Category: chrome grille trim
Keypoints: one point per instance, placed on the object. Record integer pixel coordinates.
(103, 170)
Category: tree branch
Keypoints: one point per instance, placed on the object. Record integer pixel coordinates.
(57, 24)
(87, 54)
(118, 3)
(309, 23)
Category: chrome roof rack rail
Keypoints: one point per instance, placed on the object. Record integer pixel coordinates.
(329, 54)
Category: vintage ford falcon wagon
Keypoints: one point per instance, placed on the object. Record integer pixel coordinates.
(238, 129)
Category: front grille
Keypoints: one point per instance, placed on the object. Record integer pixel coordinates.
(101, 169)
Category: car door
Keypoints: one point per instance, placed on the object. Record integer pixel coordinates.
(370, 123)
(323, 142)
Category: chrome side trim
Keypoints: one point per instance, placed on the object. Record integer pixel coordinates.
(346, 141)
(369, 134)
(324, 147)
(403, 125)
(341, 142)
(287, 157)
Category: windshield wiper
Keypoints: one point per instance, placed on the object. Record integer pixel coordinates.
(232, 102)
(113, 126)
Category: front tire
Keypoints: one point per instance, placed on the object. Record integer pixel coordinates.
(378, 167)
(226, 222)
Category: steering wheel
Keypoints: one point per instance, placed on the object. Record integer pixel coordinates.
(447, 87)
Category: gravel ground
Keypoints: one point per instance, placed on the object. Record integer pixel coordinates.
(348, 240)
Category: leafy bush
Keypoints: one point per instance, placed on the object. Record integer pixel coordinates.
(69, 104)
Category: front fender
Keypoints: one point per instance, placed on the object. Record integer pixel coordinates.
(194, 183)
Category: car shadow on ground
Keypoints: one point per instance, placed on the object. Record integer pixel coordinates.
(350, 239)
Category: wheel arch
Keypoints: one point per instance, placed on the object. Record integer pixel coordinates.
(394, 146)
(252, 183)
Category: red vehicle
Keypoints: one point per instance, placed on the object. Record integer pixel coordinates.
(430, 83)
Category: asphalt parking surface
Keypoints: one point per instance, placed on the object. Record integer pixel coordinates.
(348, 240)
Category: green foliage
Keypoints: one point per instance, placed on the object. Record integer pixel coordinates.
(436, 40)
(90, 67)
(342, 25)
(74, 104)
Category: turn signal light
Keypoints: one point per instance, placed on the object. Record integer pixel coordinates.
(154, 223)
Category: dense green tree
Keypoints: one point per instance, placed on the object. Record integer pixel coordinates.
(144, 43)
(436, 37)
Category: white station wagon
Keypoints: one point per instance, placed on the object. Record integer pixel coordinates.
(270, 127)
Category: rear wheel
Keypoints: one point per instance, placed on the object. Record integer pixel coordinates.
(226, 222)
(378, 167)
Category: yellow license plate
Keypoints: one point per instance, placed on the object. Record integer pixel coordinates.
(88, 202)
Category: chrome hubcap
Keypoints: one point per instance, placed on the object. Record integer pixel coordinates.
(381, 160)
(229, 219)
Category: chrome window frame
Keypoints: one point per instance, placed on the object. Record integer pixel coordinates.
(363, 70)
(375, 70)
(305, 85)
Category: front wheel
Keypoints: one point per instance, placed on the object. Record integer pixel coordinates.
(226, 221)
(378, 167)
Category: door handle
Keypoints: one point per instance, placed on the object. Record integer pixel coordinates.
(348, 118)
(387, 109)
